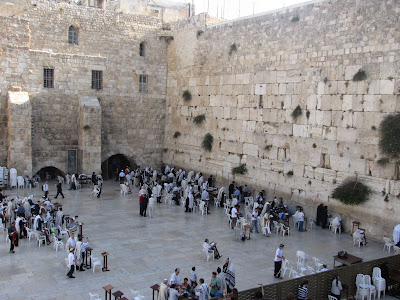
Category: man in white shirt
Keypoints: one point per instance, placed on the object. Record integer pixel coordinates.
(278, 261)
(45, 189)
(300, 218)
(206, 198)
(204, 290)
(254, 216)
(234, 215)
(173, 293)
(175, 279)
(71, 264)
(71, 243)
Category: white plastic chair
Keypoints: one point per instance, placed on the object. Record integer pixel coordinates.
(94, 296)
(202, 208)
(310, 270)
(372, 289)
(95, 262)
(30, 232)
(357, 241)
(285, 267)
(378, 281)
(285, 229)
(207, 252)
(124, 189)
(57, 243)
(137, 296)
(311, 223)
(301, 258)
(20, 182)
(40, 238)
(266, 230)
(277, 226)
(396, 249)
(332, 298)
(388, 244)
(337, 228)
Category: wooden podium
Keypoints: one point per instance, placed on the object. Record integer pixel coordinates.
(105, 261)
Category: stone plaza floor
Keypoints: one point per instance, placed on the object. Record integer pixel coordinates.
(143, 251)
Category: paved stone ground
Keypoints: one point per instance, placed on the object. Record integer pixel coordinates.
(143, 251)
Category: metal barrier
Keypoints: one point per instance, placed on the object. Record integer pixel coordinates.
(319, 285)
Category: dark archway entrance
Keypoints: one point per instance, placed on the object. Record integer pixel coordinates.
(49, 173)
(111, 167)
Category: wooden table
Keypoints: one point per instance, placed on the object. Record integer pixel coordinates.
(117, 295)
(155, 287)
(350, 260)
(105, 261)
(108, 289)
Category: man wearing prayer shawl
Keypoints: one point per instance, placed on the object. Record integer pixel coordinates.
(229, 271)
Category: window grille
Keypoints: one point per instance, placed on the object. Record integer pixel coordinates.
(143, 83)
(97, 80)
(48, 77)
(73, 35)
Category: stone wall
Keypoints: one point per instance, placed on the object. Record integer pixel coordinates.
(248, 76)
(132, 122)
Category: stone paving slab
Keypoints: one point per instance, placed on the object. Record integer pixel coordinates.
(143, 251)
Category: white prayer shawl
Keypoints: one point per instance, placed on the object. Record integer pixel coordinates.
(35, 222)
(200, 181)
(154, 175)
(197, 176)
(27, 207)
(181, 175)
(163, 292)
(235, 201)
(190, 175)
(154, 191)
(336, 222)
(159, 188)
(184, 184)
(205, 196)
(191, 200)
(151, 201)
(204, 292)
(396, 234)
(229, 274)
(70, 242)
(59, 216)
(17, 224)
(78, 251)
(167, 170)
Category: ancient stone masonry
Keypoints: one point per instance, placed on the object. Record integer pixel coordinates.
(249, 76)
(125, 121)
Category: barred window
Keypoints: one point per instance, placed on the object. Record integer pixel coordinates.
(143, 83)
(97, 80)
(48, 77)
(73, 35)
(142, 49)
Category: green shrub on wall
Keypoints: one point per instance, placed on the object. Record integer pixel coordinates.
(351, 192)
(240, 169)
(208, 141)
(177, 134)
(389, 130)
(199, 119)
(187, 95)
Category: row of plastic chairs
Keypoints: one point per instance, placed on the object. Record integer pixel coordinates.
(365, 289)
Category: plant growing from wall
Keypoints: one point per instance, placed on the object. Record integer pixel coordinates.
(208, 141)
(267, 147)
(199, 33)
(295, 19)
(351, 192)
(308, 114)
(187, 95)
(86, 127)
(233, 48)
(389, 130)
(297, 112)
(360, 75)
(199, 119)
(176, 134)
(383, 161)
(386, 199)
(289, 173)
(242, 169)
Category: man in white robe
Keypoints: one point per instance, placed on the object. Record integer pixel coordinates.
(163, 291)
(151, 205)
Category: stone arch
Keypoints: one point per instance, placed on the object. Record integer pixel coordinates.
(114, 161)
(52, 171)
(143, 48)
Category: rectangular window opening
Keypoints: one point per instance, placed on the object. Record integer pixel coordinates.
(143, 83)
(48, 77)
(97, 80)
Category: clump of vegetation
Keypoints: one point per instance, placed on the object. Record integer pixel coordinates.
(386, 199)
(308, 114)
(267, 147)
(297, 112)
(373, 127)
(360, 75)
(289, 173)
(389, 130)
(240, 169)
(199, 119)
(325, 79)
(177, 134)
(187, 95)
(199, 33)
(86, 127)
(61, 9)
(314, 145)
(232, 49)
(295, 19)
(208, 141)
(351, 192)
(383, 161)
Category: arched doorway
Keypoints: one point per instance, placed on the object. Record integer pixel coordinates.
(49, 173)
(111, 167)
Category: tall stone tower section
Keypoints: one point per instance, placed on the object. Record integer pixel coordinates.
(19, 132)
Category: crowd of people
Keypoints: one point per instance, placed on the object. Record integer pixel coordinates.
(221, 285)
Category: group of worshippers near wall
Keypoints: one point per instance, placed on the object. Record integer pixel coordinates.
(41, 216)
(176, 183)
(222, 285)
